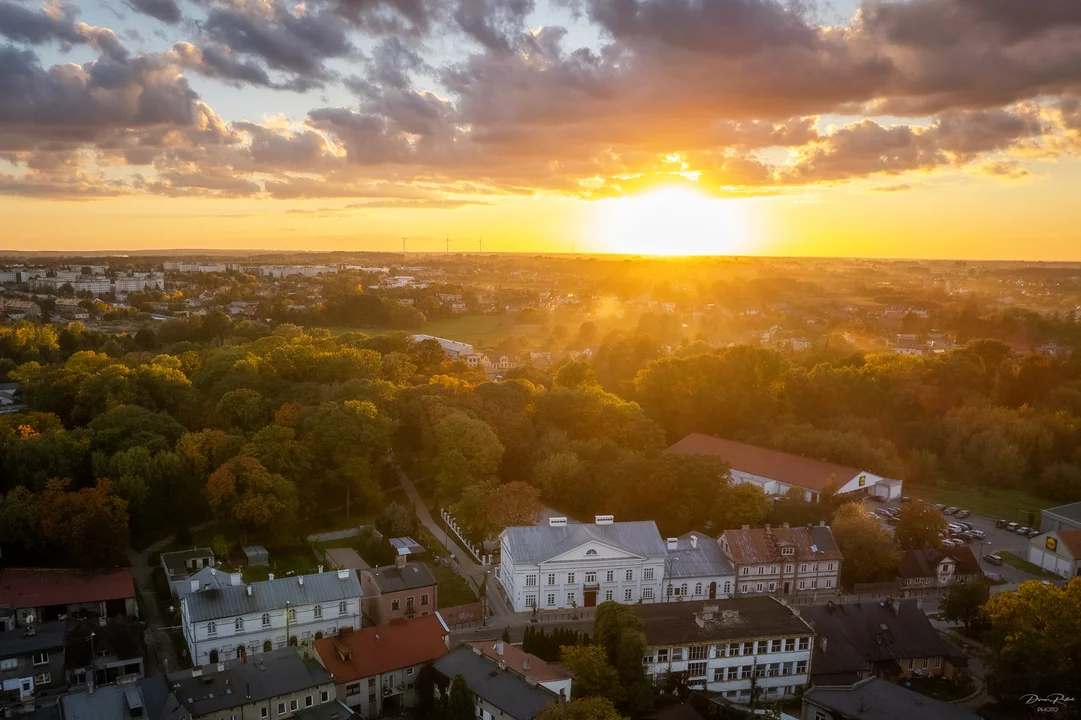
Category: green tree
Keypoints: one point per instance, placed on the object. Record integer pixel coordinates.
(459, 704)
(245, 492)
(593, 675)
(396, 520)
(244, 409)
(739, 504)
(590, 708)
(918, 527)
(575, 374)
(618, 630)
(468, 451)
(964, 600)
(1034, 642)
(868, 550)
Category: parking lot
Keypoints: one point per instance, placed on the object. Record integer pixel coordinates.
(995, 540)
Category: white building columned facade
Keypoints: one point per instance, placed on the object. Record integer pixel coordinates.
(235, 620)
(566, 565)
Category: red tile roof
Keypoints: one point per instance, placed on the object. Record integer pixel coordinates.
(516, 658)
(759, 545)
(1072, 540)
(34, 587)
(784, 467)
(383, 648)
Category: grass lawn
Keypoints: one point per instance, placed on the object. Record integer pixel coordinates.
(299, 560)
(485, 330)
(939, 688)
(1021, 564)
(453, 590)
(1013, 505)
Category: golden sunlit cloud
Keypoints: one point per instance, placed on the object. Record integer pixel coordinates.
(673, 220)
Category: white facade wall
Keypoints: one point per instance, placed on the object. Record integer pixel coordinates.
(253, 633)
(804, 577)
(563, 581)
(698, 588)
(8, 276)
(862, 481)
(783, 665)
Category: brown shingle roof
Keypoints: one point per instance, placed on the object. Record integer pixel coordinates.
(785, 467)
(923, 563)
(1072, 540)
(516, 658)
(757, 545)
(34, 587)
(383, 648)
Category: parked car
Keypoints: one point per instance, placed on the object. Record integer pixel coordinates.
(1012, 527)
(950, 511)
(965, 525)
(940, 506)
(962, 513)
(993, 559)
(905, 499)
(1023, 530)
(948, 542)
(955, 528)
(1000, 523)
(882, 512)
(1032, 532)
(891, 521)
(978, 534)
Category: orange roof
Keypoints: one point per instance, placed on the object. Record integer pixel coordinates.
(1072, 540)
(785, 467)
(39, 587)
(383, 648)
(516, 660)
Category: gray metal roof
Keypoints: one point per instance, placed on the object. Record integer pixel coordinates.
(264, 676)
(234, 600)
(823, 538)
(706, 560)
(502, 688)
(536, 543)
(47, 636)
(1066, 512)
(392, 579)
(115, 701)
(877, 699)
(207, 578)
(175, 561)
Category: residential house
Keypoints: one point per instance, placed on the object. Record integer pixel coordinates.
(375, 669)
(31, 662)
(496, 691)
(503, 362)
(451, 348)
(273, 685)
(48, 594)
(937, 568)
(778, 472)
(102, 653)
(878, 699)
(890, 639)
(527, 666)
(146, 698)
(566, 565)
(696, 569)
(1062, 517)
(16, 308)
(182, 564)
(402, 590)
(1058, 551)
(541, 360)
(722, 645)
(238, 620)
(10, 396)
(784, 560)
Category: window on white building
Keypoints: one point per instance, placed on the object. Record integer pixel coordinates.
(266, 619)
(570, 598)
(786, 669)
(570, 578)
(293, 705)
(775, 646)
(829, 566)
(591, 551)
(772, 586)
(318, 613)
(802, 585)
(758, 587)
(938, 663)
(761, 570)
(743, 587)
(211, 628)
(627, 595)
(662, 655)
(814, 584)
(683, 589)
(814, 567)
(629, 576)
(610, 576)
(591, 578)
(803, 567)
(727, 588)
(787, 569)
(647, 593)
(281, 708)
(696, 669)
(748, 648)
(773, 570)
(238, 624)
(732, 674)
(530, 580)
(292, 614)
(746, 571)
(551, 599)
(264, 712)
(829, 583)
(788, 551)
(551, 578)
(733, 649)
(774, 669)
(789, 644)
(342, 608)
(9, 663)
(746, 671)
(801, 667)
(677, 654)
(324, 696)
(698, 652)
(647, 574)
(308, 701)
(607, 594)
(531, 601)
(804, 643)
(698, 588)
(718, 674)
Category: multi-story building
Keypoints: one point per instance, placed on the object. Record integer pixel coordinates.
(496, 693)
(402, 590)
(561, 565)
(274, 685)
(31, 662)
(237, 620)
(375, 669)
(696, 569)
(936, 568)
(784, 560)
(729, 646)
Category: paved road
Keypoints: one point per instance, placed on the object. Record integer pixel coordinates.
(466, 565)
(158, 642)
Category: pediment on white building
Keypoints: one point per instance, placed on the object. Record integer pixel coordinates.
(593, 550)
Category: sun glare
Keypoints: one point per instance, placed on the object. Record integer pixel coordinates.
(673, 221)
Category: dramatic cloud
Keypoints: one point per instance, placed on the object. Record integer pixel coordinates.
(167, 11)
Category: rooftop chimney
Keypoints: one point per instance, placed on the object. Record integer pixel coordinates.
(919, 603)
(236, 579)
(194, 585)
(249, 590)
(604, 519)
(672, 543)
(301, 579)
(525, 664)
(694, 541)
(270, 576)
(821, 523)
(768, 532)
(343, 574)
(822, 644)
(399, 562)
(320, 569)
(557, 522)
(499, 648)
(784, 525)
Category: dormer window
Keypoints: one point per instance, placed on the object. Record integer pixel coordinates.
(788, 551)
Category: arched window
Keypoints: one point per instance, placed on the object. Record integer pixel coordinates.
(319, 635)
(211, 628)
(342, 608)
(213, 656)
(683, 589)
(241, 652)
(266, 619)
(292, 615)
(698, 588)
(591, 551)
(268, 646)
(318, 611)
(293, 640)
(239, 624)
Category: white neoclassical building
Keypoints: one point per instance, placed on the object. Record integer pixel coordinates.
(232, 620)
(566, 565)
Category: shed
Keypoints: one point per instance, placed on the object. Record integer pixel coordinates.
(406, 546)
(257, 555)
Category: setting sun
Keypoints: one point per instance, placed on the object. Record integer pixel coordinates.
(673, 221)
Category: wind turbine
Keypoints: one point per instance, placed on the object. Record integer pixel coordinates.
(480, 245)
(448, 243)
(404, 238)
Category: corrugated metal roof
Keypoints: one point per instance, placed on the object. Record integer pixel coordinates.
(706, 560)
(536, 543)
(233, 600)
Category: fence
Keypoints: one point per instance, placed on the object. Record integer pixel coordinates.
(477, 553)
(334, 535)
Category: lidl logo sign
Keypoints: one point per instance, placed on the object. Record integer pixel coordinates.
(863, 480)
(1051, 543)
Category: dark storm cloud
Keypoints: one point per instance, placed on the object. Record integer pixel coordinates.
(167, 11)
(55, 24)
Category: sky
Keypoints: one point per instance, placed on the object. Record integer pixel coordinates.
(903, 128)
